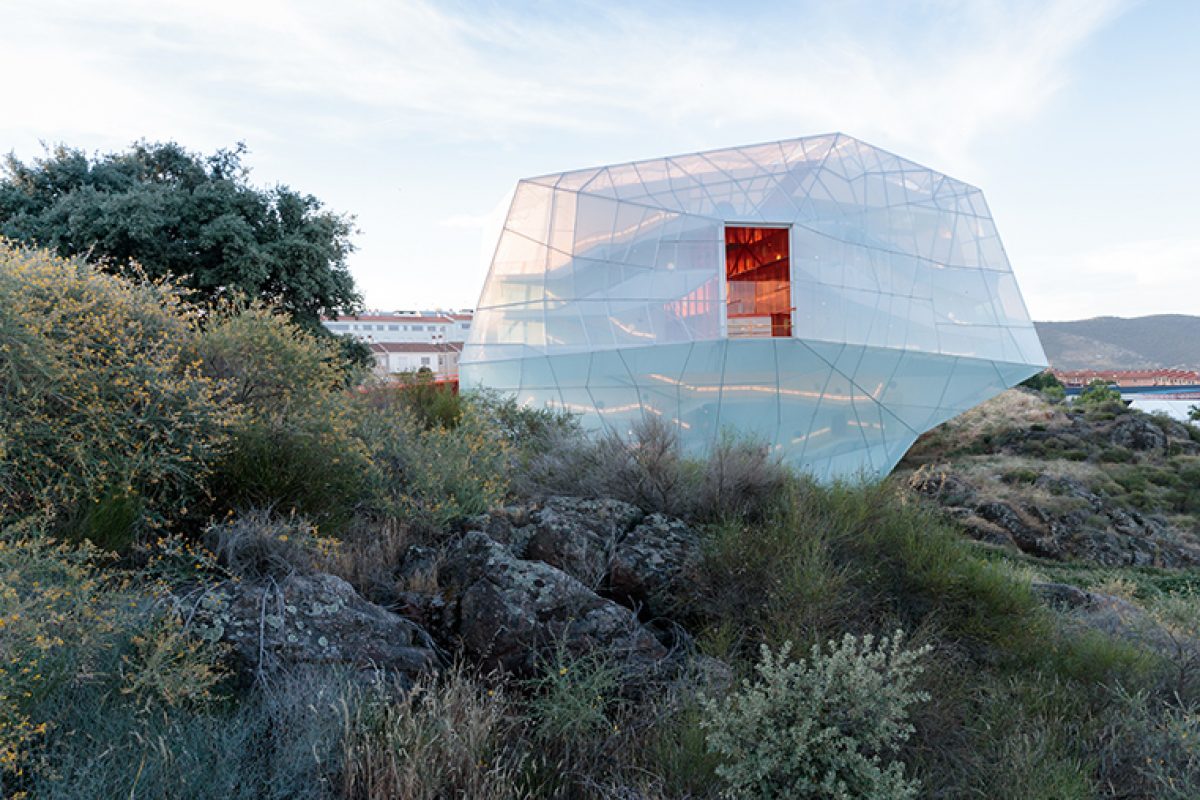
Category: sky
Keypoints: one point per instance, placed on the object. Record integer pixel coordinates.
(1079, 119)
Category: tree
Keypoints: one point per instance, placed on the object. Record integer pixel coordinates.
(1046, 383)
(1194, 413)
(195, 218)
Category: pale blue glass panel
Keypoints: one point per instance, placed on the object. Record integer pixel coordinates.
(608, 370)
(834, 429)
(1006, 298)
(537, 397)
(537, 374)
(578, 400)
(571, 370)
(750, 393)
(961, 297)
(971, 382)
(504, 375)
(1029, 346)
(1012, 374)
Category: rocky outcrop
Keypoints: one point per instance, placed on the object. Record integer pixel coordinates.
(1119, 618)
(511, 613)
(303, 620)
(1080, 525)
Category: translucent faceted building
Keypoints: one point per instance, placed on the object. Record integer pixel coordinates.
(824, 296)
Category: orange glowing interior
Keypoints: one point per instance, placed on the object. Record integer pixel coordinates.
(758, 282)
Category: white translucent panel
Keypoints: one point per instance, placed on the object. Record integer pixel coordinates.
(518, 255)
(588, 279)
(735, 164)
(767, 157)
(516, 324)
(655, 177)
(600, 183)
(595, 219)
(573, 181)
(562, 222)
(606, 298)
(529, 214)
(632, 323)
(505, 290)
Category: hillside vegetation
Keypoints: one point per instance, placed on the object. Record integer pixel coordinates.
(1160, 340)
(225, 574)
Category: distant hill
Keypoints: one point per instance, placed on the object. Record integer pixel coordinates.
(1162, 340)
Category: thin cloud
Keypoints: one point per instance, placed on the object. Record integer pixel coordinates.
(421, 68)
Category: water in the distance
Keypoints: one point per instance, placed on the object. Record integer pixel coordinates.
(1176, 408)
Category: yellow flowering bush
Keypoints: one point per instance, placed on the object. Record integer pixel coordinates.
(105, 425)
(56, 617)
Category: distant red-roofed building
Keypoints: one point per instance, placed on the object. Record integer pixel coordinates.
(1128, 378)
(392, 358)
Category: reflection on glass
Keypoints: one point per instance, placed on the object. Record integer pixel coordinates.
(758, 282)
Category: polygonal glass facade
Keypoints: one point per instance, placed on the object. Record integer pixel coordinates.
(825, 296)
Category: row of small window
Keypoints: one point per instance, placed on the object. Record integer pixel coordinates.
(348, 326)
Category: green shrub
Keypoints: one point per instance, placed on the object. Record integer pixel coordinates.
(1098, 395)
(431, 404)
(1148, 748)
(294, 446)
(438, 475)
(1117, 455)
(826, 727)
(105, 423)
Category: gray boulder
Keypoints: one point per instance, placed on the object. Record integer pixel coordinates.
(651, 562)
(1137, 432)
(511, 613)
(305, 620)
(579, 535)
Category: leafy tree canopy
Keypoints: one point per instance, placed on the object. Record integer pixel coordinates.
(195, 218)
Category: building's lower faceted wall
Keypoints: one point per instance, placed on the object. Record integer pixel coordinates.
(834, 410)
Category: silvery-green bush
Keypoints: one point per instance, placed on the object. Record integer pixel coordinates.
(823, 727)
